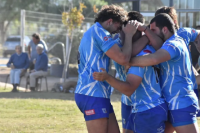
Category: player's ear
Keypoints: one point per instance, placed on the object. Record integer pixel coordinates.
(110, 21)
(165, 29)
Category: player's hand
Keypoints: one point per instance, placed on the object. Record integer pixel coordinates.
(127, 67)
(130, 28)
(141, 26)
(12, 66)
(101, 76)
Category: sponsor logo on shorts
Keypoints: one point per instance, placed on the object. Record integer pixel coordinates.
(90, 112)
(104, 110)
(160, 130)
(105, 38)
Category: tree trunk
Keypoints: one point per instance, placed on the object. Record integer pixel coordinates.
(2, 33)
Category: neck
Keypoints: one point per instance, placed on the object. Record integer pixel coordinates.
(168, 35)
(104, 25)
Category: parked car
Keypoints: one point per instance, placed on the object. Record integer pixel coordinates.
(11, 42)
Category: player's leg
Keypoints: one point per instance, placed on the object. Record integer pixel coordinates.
(191, 128)
(113, 126)
(184, 120)
(125, 114)
(96, 111)
(97, 126)
(169, 128)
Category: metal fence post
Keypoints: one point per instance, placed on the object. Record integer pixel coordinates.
(22, 29)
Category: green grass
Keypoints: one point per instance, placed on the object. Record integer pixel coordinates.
(41, 115)
(35, 113)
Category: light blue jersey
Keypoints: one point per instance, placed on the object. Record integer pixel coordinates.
(189, 35)
(122, 76)
(148, 94)
(94, 44)
(176, 75)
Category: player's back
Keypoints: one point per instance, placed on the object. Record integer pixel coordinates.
(176, 74)
(148, 94)
(95, 42)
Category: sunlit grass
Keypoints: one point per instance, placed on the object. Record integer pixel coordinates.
(37, 115)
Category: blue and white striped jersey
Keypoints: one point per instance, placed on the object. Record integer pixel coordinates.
(189, 35)
(122, 76)
(94, 44)
(148, 94)
(176, 75)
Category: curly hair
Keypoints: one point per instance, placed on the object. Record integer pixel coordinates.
(117, 13)
(171, 11)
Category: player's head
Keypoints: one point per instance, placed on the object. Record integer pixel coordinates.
(134, 15)
(163, 26)
(171, 11)
(112, 17)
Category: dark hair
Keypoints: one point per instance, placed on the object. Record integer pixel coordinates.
(117, 13)
(134, 15)
(164, 20)
(36, 36)
(171, 11)
(197, 27)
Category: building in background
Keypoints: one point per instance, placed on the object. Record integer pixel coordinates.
(188, 10)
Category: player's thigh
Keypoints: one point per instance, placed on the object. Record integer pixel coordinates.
(97, 126)
(191, 128)
(169, 128)
(113, 126)
(127, 131)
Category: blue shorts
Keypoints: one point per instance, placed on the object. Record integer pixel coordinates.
(185, 116)
(197, 93)
(149, 121)
(125, 112)
(93, 107)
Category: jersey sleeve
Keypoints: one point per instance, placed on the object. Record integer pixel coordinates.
(139, 71)
(172, 50)
(104, 40)
(188, 34)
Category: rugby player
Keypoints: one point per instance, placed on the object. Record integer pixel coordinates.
(176, 74)
(95, 50)
(141, 90)
(126, 104)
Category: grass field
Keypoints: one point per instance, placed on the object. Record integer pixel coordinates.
(43, 112)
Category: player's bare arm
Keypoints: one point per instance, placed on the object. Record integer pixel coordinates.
(123, 55)
(127, 88)
(139, 45)
(151, 59)
(155, 40)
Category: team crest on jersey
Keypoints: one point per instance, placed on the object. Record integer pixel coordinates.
(193, 31)
(105, 38)
(104, 110)
(147, 51)
(90, 112)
